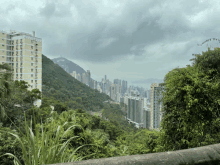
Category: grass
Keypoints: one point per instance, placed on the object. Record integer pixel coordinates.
(43, 148)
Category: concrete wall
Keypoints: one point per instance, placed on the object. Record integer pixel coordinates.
(207, 155)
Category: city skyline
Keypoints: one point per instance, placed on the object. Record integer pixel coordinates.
(137, 41)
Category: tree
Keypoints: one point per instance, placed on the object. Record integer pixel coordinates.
(5, 88)
(32, 96)
(60, 107)
(191, 104)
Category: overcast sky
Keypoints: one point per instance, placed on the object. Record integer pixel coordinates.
(136, 40)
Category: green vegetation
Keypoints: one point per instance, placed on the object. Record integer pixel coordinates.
(32, 135)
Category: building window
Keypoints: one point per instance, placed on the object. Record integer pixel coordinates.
(31, 52)
(31, 75)
(31, 86)
(21, 52)
(31, 47)
(3, 45)
(31, 64)
(31, 70)
(3, 56)
(31, 81)
(32, 58)
(2, 39)
(35, 81)
(31, 41)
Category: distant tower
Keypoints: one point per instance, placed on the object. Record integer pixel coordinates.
(105, 77)
(89, 76)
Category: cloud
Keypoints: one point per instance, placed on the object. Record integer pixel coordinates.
(148, 37)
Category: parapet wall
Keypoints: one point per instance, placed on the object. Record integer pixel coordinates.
(206, 155)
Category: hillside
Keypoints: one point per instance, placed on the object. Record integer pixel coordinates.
(60, 85)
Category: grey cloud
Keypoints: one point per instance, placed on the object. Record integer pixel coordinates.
(48, 10)
(54, 9)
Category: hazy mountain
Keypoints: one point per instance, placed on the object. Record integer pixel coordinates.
(68, 65)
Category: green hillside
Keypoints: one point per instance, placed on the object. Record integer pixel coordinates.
(60, 85)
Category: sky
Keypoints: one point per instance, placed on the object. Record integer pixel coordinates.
(139, 41)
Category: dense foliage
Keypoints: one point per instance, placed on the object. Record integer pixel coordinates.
(191, 104)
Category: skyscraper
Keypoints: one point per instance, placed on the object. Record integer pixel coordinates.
(155, 106)
(74, 74)
(105, 77)
(124, 86)
(79, 77)
(117, 81)
(84, 78)
(23, 52)
(88, 77)
(135, 109)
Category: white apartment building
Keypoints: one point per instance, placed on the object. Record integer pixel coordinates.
(74, 74)
(23, 52)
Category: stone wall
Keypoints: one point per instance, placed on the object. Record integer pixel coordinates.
(207, 155)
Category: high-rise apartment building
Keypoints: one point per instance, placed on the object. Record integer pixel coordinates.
(95, 85)
(135, 109)
(99, 88)
(118, 97)
(146, 117)
(113, 92)
(84, 78)
(124, 87)
(79, 77)
(88, 78)
(117, 81)
(74, 74)
(126, 98)
(23, 52)
(155, 106)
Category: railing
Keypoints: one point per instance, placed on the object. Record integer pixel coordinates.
(209, 155)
